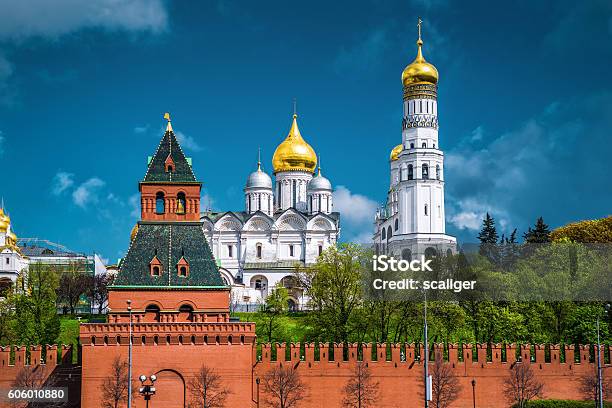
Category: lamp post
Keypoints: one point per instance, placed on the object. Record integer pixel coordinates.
(147, 390)
(474, 391)
(599, 373)
(129, 307)
(257, 382)
(426, 353)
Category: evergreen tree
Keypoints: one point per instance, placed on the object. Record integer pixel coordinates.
(488, 239)
(540, 234)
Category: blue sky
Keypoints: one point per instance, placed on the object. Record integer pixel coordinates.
(525, 103)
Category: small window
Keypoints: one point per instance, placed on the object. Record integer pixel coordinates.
(320, 249)
(389, 233)
(437, 172)
(410, 172)
(183, 271)
(425, 209)
(156, 271)
(8, 261)
(396, 224)
(230, 251)
(290, 250)
(170, 169)
(258, 248)
(424, 145)
(383, 234)
(412, 145)
(258, 284)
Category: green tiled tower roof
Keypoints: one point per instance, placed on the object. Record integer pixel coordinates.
(169, 146)
(169, 241)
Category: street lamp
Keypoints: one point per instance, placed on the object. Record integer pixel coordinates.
(147, 390)
(257, 382)
(474, 391)
(599, 374)
(427, 379)
(129, 307)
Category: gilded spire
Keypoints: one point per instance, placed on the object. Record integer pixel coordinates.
(319, 168)
(419, 43)
(420, 71)
(167, 117)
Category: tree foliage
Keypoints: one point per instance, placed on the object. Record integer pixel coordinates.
(590, 231)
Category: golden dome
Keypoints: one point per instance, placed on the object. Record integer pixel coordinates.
(134, 232)
(419, 70)
(4, 221)
(13, 237)
(395, 152)
(294, 153)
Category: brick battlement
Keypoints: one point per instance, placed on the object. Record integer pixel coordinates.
(464, 357)
(52, 356)
(167, 333)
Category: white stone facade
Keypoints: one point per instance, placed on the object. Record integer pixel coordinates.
(258, 248)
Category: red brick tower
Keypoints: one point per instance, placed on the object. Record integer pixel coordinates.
(178, 304)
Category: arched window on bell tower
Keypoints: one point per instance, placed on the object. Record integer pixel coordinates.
(437, 172)
(181, 203)
(425, 169)
(160, 203)
(410, 172)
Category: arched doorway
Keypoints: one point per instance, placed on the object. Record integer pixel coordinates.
(171, 390)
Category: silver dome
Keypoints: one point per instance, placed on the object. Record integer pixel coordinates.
(319, 183)
(259, 179)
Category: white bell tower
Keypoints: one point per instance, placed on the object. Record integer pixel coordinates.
(412, 221)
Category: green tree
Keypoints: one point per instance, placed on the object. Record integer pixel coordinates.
(36, 320)
(539, 234)
(276, 306)
(334, 285)
(488, 239)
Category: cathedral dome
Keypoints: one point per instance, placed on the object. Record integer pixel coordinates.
(5, 221)
(319, 183)
(419, 70)
(395, 152)
(259, 179)
(294, 154)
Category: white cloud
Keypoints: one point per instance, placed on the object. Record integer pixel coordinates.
(87, 192)
(188, 142)
(357, 212)
(52, 19)
(141, 129)
(61, 182)
(134, 203)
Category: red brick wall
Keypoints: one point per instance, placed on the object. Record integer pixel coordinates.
(229, 349)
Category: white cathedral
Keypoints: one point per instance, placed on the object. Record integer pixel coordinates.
(412, 221)
(285, 223)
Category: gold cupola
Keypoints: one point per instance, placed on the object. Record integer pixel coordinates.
(294, 154)
(419, 70)
(395, 152)
(5, 221)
